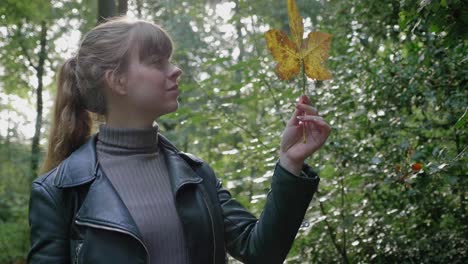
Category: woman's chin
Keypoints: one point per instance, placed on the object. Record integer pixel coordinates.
(171, 108)
(175, 107)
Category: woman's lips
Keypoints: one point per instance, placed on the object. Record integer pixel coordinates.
(174, 88)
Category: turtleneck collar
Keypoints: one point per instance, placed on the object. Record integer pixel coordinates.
(142, 140)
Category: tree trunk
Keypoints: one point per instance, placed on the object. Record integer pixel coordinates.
(35, 148)
(8, 137)
(106, 9)
(139, 5)
(240, 41)
(123, 7)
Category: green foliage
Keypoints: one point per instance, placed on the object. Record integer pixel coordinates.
(21, 69)
(398, 97)
(14, 189)
(20, 22)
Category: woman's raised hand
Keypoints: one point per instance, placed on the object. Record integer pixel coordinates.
(294, 150)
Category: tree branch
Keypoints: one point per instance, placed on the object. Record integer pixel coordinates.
(248, 132)
(332, 234)
(275, 100)
(330, 229)
(344, 253)
(23, 47)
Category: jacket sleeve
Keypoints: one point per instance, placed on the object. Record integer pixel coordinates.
(268, 239)
(49, 239)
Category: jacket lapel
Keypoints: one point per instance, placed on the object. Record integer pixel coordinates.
(102, 205)
(180, 173)
(179, 166)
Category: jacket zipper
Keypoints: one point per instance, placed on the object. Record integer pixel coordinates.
(116, 230)
(212, 229)
(77, 252)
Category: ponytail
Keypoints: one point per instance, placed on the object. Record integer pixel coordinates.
(72, 123)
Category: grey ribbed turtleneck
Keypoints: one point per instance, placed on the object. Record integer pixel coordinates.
(136, 168)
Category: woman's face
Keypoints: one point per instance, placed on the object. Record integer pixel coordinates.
(152, 87)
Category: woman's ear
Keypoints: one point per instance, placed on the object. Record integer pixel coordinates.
(116, 83)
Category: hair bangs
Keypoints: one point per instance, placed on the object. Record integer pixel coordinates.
(151, 42)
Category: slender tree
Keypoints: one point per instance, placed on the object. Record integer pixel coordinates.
(123, 7)
(106, 9)
(35, 148)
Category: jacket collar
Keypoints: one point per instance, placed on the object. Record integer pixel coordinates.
(81, 166)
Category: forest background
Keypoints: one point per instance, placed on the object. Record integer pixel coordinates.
(394, 181)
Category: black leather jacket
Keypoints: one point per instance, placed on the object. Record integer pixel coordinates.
(76, 216)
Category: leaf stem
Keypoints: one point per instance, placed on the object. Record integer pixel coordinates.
(304, 80)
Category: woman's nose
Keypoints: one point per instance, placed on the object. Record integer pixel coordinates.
(175, 73)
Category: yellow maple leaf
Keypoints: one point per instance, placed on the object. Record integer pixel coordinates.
(311, 52)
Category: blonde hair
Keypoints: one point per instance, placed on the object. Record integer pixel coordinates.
(81, 79)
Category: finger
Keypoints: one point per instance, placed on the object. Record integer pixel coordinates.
(307, 109)
(294, 121)
(309, 118)
(322, 126)
(304, 99)
(316, 121)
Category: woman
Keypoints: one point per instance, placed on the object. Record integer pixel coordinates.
(127, 195)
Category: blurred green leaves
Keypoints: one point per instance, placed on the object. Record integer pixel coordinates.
(398, 97)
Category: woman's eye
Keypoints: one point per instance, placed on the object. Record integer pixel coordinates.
(152, 61)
